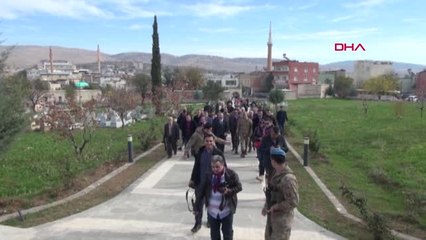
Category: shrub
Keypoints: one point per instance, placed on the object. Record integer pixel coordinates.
(314, 141)
(415, 205)
(376, 223)
(148, 136)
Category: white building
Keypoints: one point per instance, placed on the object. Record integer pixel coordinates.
(114, 82)
(57, 66)
(58, 74)
(227, 80)
(366, 69)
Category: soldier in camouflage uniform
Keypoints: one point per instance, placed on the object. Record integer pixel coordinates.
(244, 128)
(281, 198)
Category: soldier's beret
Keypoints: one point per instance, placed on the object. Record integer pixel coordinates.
(277, 151)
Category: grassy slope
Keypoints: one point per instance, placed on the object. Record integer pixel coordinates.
(316, 206)
(101, 194)
(32, 164)
(363, 151)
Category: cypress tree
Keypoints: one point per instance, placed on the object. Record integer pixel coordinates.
(156, 59)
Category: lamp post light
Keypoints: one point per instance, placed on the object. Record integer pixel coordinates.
(305, 151)
(129, 147)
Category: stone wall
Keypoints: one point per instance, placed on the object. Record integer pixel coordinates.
(308, 91)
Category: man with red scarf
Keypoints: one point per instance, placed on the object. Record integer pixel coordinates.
(219, 191)
(202, 167)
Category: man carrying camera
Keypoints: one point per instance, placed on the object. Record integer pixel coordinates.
(202, 166)
(219, 191)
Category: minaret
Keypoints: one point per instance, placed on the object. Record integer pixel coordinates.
(99, 60)
(51, 59)
(269, 60)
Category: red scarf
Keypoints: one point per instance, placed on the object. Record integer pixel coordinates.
(217, 180)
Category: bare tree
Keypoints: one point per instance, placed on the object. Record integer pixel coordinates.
(421, 99)
(365, 106)
(72, 119)
(37, 90)
(172, 99)
(122, 101)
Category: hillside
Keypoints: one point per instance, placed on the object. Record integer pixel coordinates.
(28, 56)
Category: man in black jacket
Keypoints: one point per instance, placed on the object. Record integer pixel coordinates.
(171, 136)
(202, 166)
(220, 127)
(281, 119)
(274, 139)
(233, 120)
(219, 191)
(181, 123)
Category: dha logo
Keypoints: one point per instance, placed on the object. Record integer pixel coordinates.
(339, 47)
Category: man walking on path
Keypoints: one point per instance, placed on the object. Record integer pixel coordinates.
(233, 120)
(219, 189)
(220, 127)
(281, 119)
(273, 139)
(244, 129)
(197, 139)
(171, 136)
(202, 166)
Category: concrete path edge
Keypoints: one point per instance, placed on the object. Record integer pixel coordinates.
(81, 193)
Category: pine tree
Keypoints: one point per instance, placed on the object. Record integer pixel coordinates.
(156, 69)
(156, 58)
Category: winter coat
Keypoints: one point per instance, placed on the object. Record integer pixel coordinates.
(232, 182)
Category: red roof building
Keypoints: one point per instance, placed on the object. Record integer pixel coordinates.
(290, 73)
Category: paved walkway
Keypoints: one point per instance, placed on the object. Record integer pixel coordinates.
(154, 207)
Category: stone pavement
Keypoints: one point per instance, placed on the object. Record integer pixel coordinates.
(154, 207)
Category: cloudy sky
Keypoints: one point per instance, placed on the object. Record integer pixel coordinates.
(307, 30)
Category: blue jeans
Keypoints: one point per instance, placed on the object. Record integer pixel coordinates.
(227, 229)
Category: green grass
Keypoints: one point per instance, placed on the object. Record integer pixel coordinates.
(316, 206)
(379, 156)
(104, 192)
(32, 164)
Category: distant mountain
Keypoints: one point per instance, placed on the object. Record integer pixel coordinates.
(28, 56)
(203, 61)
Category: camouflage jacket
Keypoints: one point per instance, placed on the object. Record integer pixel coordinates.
(284, 191)
(244, 127)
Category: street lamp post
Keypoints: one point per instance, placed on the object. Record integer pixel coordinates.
(129, 147)
(305, 151)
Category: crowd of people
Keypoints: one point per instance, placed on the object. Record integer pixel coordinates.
(252, 128)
